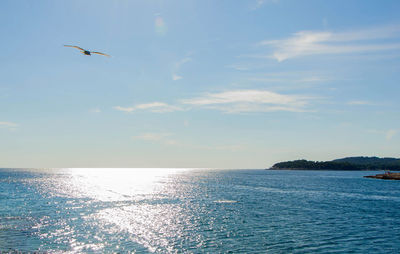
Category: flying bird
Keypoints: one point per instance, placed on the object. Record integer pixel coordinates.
(87, 52)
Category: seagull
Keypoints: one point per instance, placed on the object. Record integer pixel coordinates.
(86, 52)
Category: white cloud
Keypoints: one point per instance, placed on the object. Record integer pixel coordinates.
(390, 134)
(239, 67)
(260, 3)
(230, 147)
(217, 147)
(292, 79)
(182, 62)
(152, 136)
(157, 137)
(250, 101)
(8, 124)
(305, 43)
(359, 103)
(129, 109)
(236, 101)
(176, 77)
(165, 139)
(177, 66)
(95, 110)
(157, 107)
(313, 79)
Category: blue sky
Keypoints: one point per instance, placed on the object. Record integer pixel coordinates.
(226, 84)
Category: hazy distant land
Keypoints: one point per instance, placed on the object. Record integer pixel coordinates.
(349, 163)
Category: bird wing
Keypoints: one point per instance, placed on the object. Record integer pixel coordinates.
(74, 47)
(99, 53)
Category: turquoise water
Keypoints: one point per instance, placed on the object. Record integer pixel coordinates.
(201, 210)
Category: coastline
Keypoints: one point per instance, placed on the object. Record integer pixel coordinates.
(315, 169)
(386, 176)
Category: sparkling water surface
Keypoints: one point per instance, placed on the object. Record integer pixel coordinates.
(197, 210)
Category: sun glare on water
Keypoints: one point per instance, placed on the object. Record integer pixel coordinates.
(135, 201)
(107, 184)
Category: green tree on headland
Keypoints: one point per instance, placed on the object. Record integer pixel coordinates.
(350, 163)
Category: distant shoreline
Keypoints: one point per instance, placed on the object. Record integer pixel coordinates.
(386, 176)
(307, 169)
(345, 164)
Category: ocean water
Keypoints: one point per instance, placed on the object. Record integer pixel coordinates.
(197, 211)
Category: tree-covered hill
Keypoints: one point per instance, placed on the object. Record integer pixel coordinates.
(350, 163)
(369, 160)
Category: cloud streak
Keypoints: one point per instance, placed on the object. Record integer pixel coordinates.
(240, 101)
(95, 110)
(390, 134)
(156, 137)
(306, 43)
(156, 107)
(176, 77)
(309, 79)
(8, 124)
(260, 3)
(165, 139)
(177, 66)
(360, 102)
(235, 101)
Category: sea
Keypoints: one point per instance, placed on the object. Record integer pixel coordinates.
(163, 210)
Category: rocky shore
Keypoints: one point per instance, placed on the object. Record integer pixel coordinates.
(386, 176)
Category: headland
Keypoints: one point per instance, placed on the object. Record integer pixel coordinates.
(349, 163)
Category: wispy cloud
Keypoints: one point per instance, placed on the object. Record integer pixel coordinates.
(259, 3)
(239, 101)
(388, 134)
(236, 101)
(232, 148)
(8, 124)
(176, 77)
(166, 138)
(157, 107)
(177, 66)
(239, 67)
(305, 43)
(163, 138)
(182, 61)
(309, 79)
(360, 102)
(313, 79)
(391, 133)
(95, 110)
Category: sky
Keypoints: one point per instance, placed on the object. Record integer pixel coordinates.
(199, 84)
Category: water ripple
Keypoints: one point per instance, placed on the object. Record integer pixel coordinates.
(191, 211)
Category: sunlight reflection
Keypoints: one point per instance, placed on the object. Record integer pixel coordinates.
(112, 184)
(148, 206)
(138, 203)
(155, 226)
